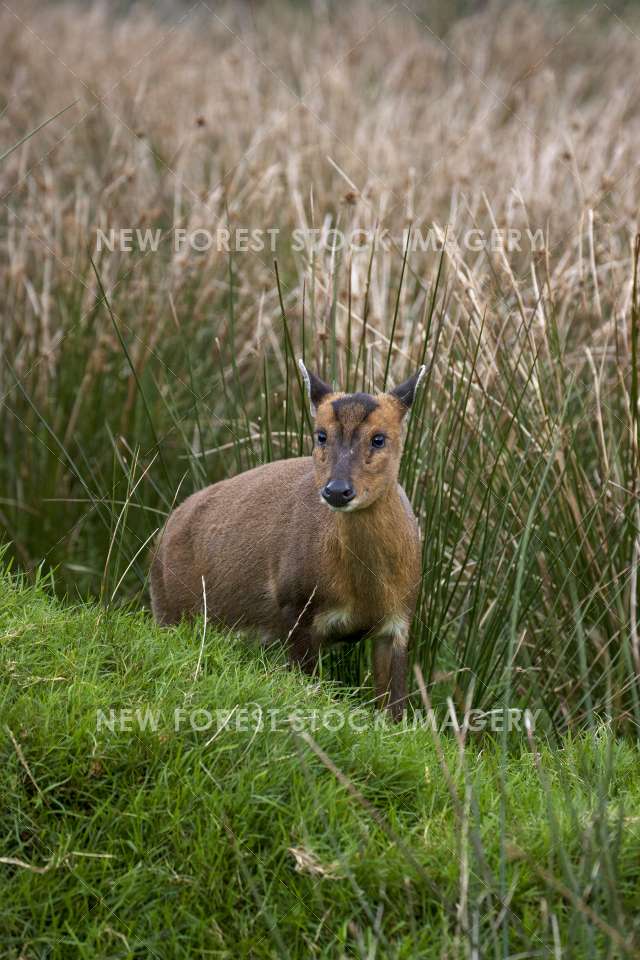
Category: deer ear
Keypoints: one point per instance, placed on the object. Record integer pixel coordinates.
(405, 392)
(317, 389)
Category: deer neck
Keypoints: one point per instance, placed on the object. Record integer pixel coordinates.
(364, 549)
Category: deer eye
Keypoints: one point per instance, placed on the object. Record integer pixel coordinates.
(321, 438)
(377, 440)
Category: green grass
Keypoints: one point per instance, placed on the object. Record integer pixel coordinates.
(163, 843)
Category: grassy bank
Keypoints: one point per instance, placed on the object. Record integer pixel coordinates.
(319, 838)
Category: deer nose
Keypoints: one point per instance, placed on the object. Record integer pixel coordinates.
(338, 493)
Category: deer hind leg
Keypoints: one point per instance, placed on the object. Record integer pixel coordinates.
(161, 609)
(390, 666)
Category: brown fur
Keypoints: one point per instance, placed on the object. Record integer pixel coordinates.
(275, 557)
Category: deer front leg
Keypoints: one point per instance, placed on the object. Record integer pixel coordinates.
(390, 667)
(303, 641)
(304, 650)
(398, 693)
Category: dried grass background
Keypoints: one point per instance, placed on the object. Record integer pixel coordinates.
(203, 118)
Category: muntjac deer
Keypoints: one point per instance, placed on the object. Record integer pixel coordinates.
(316, 549)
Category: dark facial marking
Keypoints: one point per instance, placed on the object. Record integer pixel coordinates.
(354, 408)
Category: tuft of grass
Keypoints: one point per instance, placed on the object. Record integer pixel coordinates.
(318, 833)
